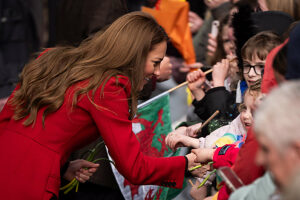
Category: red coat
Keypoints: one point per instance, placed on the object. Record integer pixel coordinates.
(31, 156)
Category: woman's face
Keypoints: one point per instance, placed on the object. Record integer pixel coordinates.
(252, 70)
(153, 61)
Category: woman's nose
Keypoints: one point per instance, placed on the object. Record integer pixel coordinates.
(156, 71)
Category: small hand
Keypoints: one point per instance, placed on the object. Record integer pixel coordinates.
(203, 155)
(192, 131)
(196, 80)
(220, 72)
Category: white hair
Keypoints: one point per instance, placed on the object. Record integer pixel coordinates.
(278, 117)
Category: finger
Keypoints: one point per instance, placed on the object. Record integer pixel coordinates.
(194, 151)
(81, 180)
(84, 177)
(211, 48)
(92, 170)
(212, 42)
(184, 69)
(87, 164)
(196, 160)
(87, 173)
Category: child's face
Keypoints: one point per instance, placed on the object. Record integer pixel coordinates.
(246, 111)
(252, 70)
(228, 40)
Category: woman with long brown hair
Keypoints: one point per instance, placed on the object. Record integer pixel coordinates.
(69, 96)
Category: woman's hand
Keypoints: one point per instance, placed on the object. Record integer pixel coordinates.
(177, 140)
(191, 160)
(76, 169)
(196, 80)
(220, 72)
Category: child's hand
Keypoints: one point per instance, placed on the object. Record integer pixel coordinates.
(192, 131)
(196, 80)
(180, 130)
(174, 140)
(76, 169)
(220, 72)
(203, 155)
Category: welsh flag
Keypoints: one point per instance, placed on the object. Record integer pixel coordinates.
(151, 126)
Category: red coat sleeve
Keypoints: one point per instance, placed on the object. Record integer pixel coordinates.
(111, 115)
(7, 112)
(225, 156)
(246, 169)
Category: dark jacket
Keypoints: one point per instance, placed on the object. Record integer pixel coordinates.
(20, 35)
(217, 99)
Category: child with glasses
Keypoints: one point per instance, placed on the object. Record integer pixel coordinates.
(254, 54)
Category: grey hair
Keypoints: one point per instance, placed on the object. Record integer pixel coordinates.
(278, 116)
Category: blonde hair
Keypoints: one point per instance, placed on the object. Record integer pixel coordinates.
(254, 90)
(121, 49)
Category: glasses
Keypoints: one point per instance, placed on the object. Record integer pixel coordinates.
(258, 68)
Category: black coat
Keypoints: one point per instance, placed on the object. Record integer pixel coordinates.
(217, 99)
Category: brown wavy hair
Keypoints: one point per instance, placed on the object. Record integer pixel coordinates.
(121, 49)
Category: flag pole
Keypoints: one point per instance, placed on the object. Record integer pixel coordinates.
(186, 82)
(208, 120)
(168, 91)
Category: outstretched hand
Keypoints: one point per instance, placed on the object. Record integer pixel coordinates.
(203, 155)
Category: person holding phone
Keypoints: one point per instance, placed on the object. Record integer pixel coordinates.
(69, 96)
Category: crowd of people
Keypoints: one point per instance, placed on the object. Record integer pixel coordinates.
(83, 86)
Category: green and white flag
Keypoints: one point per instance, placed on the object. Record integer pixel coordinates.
(151, 126)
